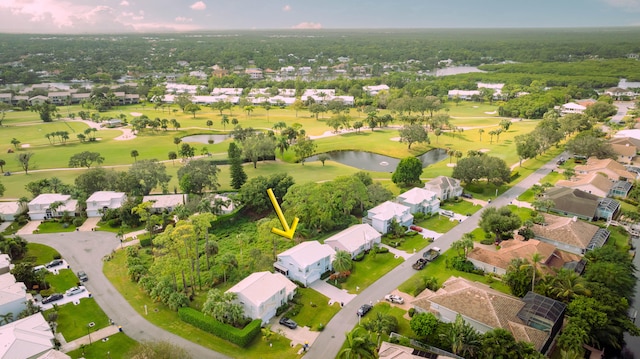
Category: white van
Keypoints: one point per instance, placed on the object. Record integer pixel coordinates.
(447, 213)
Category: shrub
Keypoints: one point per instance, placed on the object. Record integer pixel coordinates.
(359, 257)
(57, 256)
(241, 337)
(487, 241)
(281, 309)
(145, 242)
(114, 223)
(320, 327)
(382, 250)
(461, 264)
(78, 221)
(412, 311)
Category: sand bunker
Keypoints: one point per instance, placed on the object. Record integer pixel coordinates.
(397, 139)
(135, 114)
(451, 164)
(491, 113)
(26, 145)
(484, 150)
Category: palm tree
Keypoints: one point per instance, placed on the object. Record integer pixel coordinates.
(566, 284)
(177, 141)
(224, 121)
(462, 338)
(135, 154)
(381, 324)
(480, 131)
(282, 144)
(535, 259)
(451, 152)
(358, 345)
(342, 261)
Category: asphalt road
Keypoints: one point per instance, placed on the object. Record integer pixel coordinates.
(85, 251)
(328, 344)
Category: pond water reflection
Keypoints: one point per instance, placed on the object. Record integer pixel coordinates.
(369, 161)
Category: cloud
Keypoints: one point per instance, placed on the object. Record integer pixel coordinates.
(183, 19)
(307, 25)
(286, 8)
(632, 5)
(198, 6)
(124, 3)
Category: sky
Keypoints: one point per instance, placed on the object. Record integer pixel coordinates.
(116, 16)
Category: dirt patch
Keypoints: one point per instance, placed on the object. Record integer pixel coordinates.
(397, 139)
(484, 150)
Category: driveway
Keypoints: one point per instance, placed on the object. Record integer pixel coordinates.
(89, 224)
(85, 251)
(335, 295)
(28, 228)
(300, 335)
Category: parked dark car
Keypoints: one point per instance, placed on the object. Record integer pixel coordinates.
(54, 263)
(288, 323)
(52, 298)
(364, 309)
(419, 264)
(466, 195)
(82, 276)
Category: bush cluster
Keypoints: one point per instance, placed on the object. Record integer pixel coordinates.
(241, 337)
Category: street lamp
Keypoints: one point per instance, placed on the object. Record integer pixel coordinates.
(89, 333)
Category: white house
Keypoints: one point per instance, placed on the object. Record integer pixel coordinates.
(40, 207)
(13, 295)
(572, 108)
(381, 216)
(10, 210)
(26, 338)
(222, 204)
(463, 94)
(165, 202)
(420, 200)
(5, 263)
(445, 187)
(103, 200)
(354, 239)
(305, 262)
(373, 90)
(262, 293)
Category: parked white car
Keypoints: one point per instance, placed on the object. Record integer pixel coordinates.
(74, 291)
(394, 298)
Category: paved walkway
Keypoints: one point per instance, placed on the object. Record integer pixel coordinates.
(396, 252)
(135, 234)
(91, 338)
(28, 228)
(335, 295)
(4, 225)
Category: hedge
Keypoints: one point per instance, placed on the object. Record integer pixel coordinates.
(241, 337)
(145, 242)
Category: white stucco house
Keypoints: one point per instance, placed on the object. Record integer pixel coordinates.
(445, 187)
(5, 263)
(26, 338)
(305, 262)
(165, 202)
(355, 239)
(40, 207)
(10, 210)
(381, 216)
(572, 107)
(13, 295)
(420, 200)
(262, 293)
(103, 200)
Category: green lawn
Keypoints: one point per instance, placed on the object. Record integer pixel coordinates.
(40, 254)
(522, 212)
(463, 207)
(438, 223)
(12, 229)
(163, 317)
(73, 319)
(438, 269)
(64, 280)
(413, 242)
(116, 347)
(55, 227)
(386, 308)
(369, 270)
(315, 309)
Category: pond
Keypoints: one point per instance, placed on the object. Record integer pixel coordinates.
(369, 161)
(205, 138)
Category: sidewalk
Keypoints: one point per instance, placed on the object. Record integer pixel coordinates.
(396, 252)
(335, 295)
(87, 339)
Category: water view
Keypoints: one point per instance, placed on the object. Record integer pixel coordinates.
(369, 161)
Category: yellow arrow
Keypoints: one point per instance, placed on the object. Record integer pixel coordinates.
(288, 232)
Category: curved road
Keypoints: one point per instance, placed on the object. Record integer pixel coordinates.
(84, 251)
(328, 344)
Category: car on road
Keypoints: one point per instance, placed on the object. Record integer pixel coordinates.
(289, 323)
(466, 195)
(394, 298)
(52, 298)
(82, 276)
(74, 291)
(364, 309)
(54, 263)
(419, 264)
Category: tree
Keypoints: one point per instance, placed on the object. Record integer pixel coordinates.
(209, 123)
(473, 168)
(566, 285)
(173, 156)
(505, 124)
(238, 176)
(135, 154)
(198, 175)
(480, 131)
(224, 121)
(158, 350)
(358, 345)
(462, 338)
(499, 221)
(142, 177)
(96, 179)
(192, 108)
(177, 141)
(601, 110)
(85, 159)
(527, 146)
(4, 107)
(15, 143)
(381, 324)
(2, 164)
(424, 324)
(323, 157)
(222, 307)
(568, 173)
(24, 159)
(305, 147)
(519, 276)
(413, 134)
(342, 261)
(282, 144)
(463, 244)
(252, 193)
(408, 171)
(589, 144)
(46, 110)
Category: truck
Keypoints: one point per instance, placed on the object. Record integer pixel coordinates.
(431, 254)
(419, 264)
